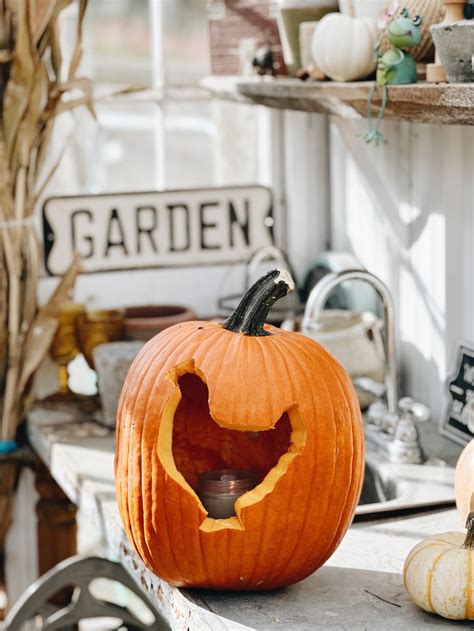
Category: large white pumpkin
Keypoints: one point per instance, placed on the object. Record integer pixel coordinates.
(464, 482)
(343, 47)
(439, 574)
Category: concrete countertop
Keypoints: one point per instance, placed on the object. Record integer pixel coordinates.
(360, 588)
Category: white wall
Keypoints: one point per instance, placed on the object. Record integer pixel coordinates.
(406, 209)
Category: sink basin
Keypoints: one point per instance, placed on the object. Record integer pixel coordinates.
(374, 491)
(402, 488)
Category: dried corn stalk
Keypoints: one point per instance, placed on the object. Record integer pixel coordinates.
(34, 88)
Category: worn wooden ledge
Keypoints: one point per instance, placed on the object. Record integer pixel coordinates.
(446, 104)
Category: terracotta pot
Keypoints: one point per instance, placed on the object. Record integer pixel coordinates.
(144, 322)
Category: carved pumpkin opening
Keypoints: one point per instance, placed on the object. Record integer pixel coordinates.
(200, 445)
(191, 442)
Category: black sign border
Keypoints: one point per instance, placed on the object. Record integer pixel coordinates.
(462, 349)
(48, 233)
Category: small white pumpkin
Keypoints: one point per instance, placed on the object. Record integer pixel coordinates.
(439, 574)
(343, 47)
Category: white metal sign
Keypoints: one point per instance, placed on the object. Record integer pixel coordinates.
(156, 229)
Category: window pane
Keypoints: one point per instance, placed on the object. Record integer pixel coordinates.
(124, 155)
(117, 48)
(190, 141)
(185, 41)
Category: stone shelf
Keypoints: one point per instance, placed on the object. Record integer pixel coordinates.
(444, 103)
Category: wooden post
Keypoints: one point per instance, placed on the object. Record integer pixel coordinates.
(454, 12)
(57, 530)
(8, 477)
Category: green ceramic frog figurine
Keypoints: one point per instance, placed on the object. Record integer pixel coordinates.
(394, 67)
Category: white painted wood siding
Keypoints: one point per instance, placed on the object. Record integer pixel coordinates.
(406, 210)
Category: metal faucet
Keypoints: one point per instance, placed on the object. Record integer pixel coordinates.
(395, 418)
(318, 299)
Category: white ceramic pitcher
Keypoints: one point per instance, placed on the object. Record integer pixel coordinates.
(354, 339)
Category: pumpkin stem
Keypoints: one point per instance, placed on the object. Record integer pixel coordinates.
(469, 540)
(250, 315)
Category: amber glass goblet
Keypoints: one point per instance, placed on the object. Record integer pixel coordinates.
(65, 346)
(97, 327)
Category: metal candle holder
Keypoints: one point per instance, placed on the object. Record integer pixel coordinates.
(219, 490)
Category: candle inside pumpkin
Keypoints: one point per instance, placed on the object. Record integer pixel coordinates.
(219, 490)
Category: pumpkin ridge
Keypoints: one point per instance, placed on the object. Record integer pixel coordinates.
(293, 557)
(224, 355)
(188, 553)
(240, 556)
(141, 360)
(153, 352)
(173, 401)
(173, 374)
(353, 438)
(469, 611)
(357, 439)
(429, 579)
(311, 475)
(341, 389)
(420, 547)
(236, 357)
(273, 570)
(349, 502)
(264, 354)
(282, 533)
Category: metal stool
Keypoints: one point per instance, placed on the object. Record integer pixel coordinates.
(79, 572)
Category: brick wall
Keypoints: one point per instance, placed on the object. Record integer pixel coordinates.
(232, 20)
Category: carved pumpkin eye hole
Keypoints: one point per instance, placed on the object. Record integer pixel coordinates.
(417, 20)
(200, 445)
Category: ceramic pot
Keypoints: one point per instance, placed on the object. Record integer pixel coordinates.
(455, 46)
(112, 362)
(144, 322)
(292, 13)
(354, 339)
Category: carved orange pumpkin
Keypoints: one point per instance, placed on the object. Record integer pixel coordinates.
(203, 396)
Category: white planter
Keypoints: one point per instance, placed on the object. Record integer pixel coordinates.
(455, 45)
(363, 8)
(112, 362)
(291, 14)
